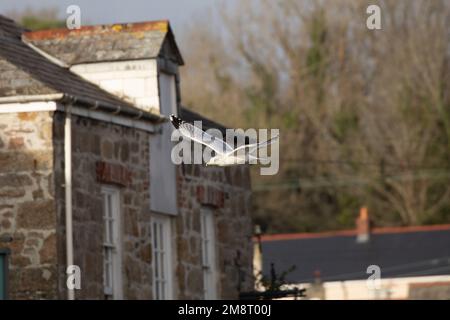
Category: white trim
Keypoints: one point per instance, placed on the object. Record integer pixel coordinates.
(68, 193)
(31, 98)
(208, 245)
(115, 244)
(28, 107)
(167, 264)
(79, 111)
(112, 118)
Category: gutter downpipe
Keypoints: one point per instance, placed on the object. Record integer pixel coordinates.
(68, 192)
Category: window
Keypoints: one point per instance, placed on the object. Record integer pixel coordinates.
(112, 261)
(3, 274)
(208, 254)
(162, 264)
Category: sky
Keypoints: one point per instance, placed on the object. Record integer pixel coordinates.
(179, 12)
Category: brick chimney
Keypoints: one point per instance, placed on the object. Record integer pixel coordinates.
(363, 226)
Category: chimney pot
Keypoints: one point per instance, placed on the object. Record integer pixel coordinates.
(363, 226)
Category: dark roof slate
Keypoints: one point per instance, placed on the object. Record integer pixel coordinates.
(343, 258)
(191, 116)
(8, 25)
(114, 42)
(25, 71)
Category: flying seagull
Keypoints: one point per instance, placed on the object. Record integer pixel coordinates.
(225, 154)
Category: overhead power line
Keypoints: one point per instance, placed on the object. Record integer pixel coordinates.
(405, 166)
(407, 269)
(321, 182)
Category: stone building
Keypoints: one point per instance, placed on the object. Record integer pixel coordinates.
(86, 178)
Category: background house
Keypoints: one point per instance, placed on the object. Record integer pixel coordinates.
(414, 262)
(86, 175)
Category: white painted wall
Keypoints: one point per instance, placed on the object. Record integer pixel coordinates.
(136, 81)
(390, 288)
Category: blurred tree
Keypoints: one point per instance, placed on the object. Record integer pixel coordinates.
(364, 115)
(38, 19)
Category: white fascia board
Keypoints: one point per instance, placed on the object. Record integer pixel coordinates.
(111, 118)
(79, 111)
(28, 107)
(31, 98)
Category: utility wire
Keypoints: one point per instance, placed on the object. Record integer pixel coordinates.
(430, 262)
(407, 266)
(405, 166)
(321, 182)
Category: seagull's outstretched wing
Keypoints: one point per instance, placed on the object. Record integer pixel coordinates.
(196, 134)
(253, 146)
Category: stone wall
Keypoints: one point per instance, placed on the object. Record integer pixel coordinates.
(233, 229)
(32, 211)
(116, 148)
(95, 141)
(27, 204)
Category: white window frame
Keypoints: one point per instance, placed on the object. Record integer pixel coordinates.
(209, 264)
(162, 263)
(112, 247)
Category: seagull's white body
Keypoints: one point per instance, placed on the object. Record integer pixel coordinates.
(225, 154)
(225, 161)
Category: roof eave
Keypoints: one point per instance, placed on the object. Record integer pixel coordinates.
(171, 36)
(120, 109)
(124, 110)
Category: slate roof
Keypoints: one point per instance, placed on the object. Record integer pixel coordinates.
(24, 71)
(8, 25)
(114, 42)
(400, 252)
(191, 116)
